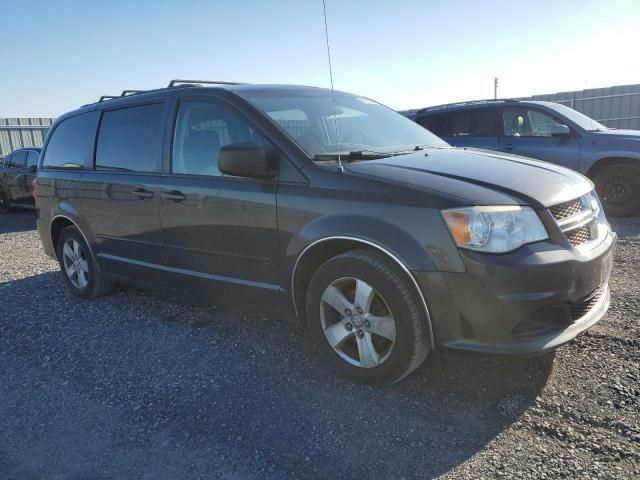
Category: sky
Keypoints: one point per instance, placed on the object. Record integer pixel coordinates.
(59, 54)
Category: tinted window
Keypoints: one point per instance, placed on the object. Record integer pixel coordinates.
(130, 139)
(525, 122)
(480, 122)
(438, 124)
(71, 141)
(202, 128)
(19, 159)
(32, 158)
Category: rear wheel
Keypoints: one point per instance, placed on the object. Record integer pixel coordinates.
(365, 319)
(618, 186)
(78, 267)
(4, 202)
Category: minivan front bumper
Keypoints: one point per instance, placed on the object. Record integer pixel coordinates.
(525, 302)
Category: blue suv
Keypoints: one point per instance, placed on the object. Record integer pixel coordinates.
(551, 132)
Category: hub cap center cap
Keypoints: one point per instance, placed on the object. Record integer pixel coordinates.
(357, 321)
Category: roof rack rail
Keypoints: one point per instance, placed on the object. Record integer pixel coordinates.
(173, 83)
(130, 92)
(108, 97)
(468, 102)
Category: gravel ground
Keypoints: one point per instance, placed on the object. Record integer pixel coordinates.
(138, 385)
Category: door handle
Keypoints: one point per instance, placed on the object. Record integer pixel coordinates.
(508, 147)
(142, 194)
(174, 196)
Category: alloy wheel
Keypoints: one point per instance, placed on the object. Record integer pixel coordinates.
(357, 322)
(75, 263)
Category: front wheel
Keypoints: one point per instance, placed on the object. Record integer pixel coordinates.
(618, 186)
(78, 267)
(365, 319)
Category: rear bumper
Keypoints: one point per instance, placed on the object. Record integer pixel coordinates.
(44, 230)
(526, 302)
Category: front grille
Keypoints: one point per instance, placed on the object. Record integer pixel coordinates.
(579, 235)
(580, 309)
(567, 209)
(577, 219)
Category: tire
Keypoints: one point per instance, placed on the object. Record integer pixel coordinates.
(618, 186)
(366, 350)
(5, 207)
(74, 255)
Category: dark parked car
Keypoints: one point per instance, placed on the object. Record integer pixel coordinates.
(383, 238)
(551, 132)
(17, 172)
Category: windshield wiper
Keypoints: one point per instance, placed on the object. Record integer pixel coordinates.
(353, 155)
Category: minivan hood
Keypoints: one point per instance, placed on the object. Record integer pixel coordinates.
(480, 177)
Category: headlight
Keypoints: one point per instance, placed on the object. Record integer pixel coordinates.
(494, 229)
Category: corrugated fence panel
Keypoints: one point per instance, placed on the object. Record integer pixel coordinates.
(617, 107)
(22, 132)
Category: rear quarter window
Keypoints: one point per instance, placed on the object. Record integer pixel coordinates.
(71, 142)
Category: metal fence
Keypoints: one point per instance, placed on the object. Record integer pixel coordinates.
(22, 132)
(617, 107)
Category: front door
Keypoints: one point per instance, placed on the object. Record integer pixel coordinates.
(121, 198)
(220, 231)
(14, 171)
(527, 132)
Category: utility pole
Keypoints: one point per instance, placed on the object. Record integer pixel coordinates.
(495, 88)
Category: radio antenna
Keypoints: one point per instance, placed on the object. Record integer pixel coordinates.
(333, 93)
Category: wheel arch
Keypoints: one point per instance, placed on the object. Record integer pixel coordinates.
(608, 160)
(58, 224)
(322, 249)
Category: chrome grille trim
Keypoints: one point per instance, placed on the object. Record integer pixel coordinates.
(577, 219)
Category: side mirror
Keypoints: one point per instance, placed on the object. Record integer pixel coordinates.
(560, 131)
(33, 168)
(245, 160)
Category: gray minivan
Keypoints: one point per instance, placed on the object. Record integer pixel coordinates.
(381, 237)
(551, 132)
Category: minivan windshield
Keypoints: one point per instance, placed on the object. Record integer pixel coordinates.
(578, 118)
(355, 127)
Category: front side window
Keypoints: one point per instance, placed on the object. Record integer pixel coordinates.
(71, 142)
(19, 159)
(202, 129)
(523, 122)
(353, 124)
(130, 139)
(32, 158)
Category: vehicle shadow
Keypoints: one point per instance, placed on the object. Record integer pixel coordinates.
(249, 385)
(17, 221)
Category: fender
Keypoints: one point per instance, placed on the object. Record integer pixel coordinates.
(376, 233)
(74, 220)
(609, 154)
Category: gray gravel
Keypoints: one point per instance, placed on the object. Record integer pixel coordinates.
(138, 385)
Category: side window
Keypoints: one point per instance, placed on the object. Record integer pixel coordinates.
(8, 161)
(19, 159)
(130, 139)
(522, 122)
(485, 122)
(32, 158)
(460, 124)
(540, 124)
(202, 128)
(438, 124)
(71, 141)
